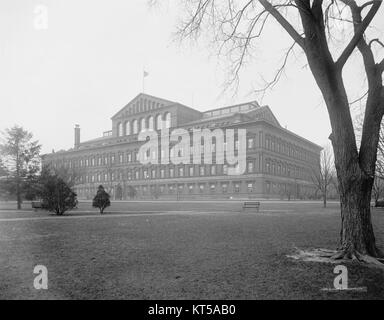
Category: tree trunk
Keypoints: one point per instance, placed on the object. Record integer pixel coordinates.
(324, 200)
(18, 195)
(355, 185)
(356, 226)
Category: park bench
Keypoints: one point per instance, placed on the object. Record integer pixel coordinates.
(251, 205)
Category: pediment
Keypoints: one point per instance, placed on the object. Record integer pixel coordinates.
(141, 103)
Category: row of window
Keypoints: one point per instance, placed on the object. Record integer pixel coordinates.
(135, 126)
(162, 173)
(131, 156)
(288, 189)
(279, 145)
(145, 173)
(223, 187)
(281, 168)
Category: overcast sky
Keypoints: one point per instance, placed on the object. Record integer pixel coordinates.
(88, 63)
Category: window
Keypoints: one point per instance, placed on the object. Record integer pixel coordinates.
(213, 170)
(171, 172)
(121, 158)
(153, 174)
(137, 175)
(202, 171)
(250, 143)
(150, 123)
(142, 125)
(212, 187)
(167, 120)
(145, 173)
(128, 128)
(162, 173)
(224, 187)
(181, 172)
(159, 122)
(201, 188)
(225, 169)
(191, 171)
(190, 188)
(250, 187)
(237, 187)
(135, 128)
(250, 167)
(119, 129)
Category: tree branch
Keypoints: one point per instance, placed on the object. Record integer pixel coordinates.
(377, 41)
(380, 66)
(359, 31)
(283, 22)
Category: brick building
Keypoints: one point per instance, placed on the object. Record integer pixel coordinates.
(279, 163)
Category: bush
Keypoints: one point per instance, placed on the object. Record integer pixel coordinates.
(101, 199)
(56, 194)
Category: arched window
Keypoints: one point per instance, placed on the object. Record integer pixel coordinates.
(134, 125)
(142, 124)
(150, 123)
(159, 122)
(119, 129)
(167, 120)
(127, 128)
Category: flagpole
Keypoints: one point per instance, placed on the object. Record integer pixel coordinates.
(143, 79)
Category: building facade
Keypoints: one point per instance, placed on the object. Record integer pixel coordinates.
(279, 163)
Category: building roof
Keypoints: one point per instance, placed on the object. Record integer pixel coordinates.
(144, 98)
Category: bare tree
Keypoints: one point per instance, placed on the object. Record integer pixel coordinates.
(236, 25)
(323, 175)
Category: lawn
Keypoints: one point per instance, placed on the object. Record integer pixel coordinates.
(178, 250)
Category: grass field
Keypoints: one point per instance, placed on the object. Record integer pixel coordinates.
(177, 250)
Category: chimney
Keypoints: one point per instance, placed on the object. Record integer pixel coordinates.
(77, 136)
